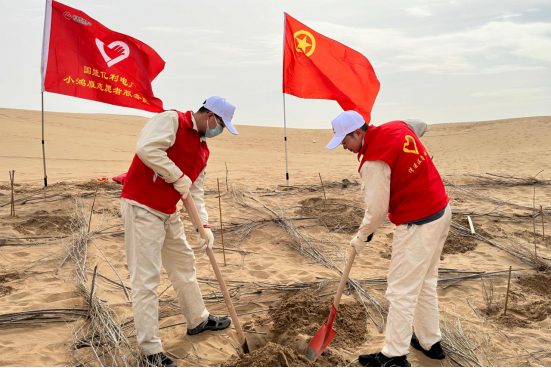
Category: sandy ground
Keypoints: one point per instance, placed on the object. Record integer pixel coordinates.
(33, 275)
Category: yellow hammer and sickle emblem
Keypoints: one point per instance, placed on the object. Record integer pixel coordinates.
(302, 44)
(409, 140)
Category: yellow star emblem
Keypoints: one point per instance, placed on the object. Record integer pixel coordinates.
(301, 45)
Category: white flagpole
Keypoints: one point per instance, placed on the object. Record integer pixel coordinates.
(284, 116)
(45, 49)
(285, 133)
(43, 148)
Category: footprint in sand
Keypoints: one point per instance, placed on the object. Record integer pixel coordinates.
(488, 257)
(283, 277)
(259, 267)
(8, 352)
(21, 254)
(260, 274)
(49, 280)
(326, 275)
(59, 297)
(18, 297)
(46, 358)
(292, 272)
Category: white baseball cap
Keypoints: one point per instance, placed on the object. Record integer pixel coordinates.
(222, 108)
(345, 123)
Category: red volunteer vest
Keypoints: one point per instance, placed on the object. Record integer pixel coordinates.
(189, 153)
(416, 189)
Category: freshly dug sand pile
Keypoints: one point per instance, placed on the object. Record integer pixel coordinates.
(9, 276)
(5, 278)
(518, 314)
(386, 254)
(43, 224)
(535, 310)
(106, 185)
(540, 284)
(294, 322)
(5, 290)
(275, 355)
(303, 313)
(456, 243)
(336, 214)
(510, 321)
(529, 302)
(528, 236)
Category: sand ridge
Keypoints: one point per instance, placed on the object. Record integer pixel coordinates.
(87, 146)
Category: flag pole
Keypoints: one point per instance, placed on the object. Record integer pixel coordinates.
(285, 133)
(44, 64)
(284, 115)
(43, 148)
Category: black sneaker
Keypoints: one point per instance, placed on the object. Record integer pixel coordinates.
(435, 352)
(380, 360)
(160, 360)
(212, 323)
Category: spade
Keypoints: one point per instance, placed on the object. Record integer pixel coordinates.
(326, 333)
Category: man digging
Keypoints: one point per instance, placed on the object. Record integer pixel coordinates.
(400, 179)
(169, 165)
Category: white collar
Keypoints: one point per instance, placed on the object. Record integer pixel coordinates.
(203, 139)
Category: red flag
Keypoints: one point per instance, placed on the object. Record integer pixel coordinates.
(315, 66)
(83, 58)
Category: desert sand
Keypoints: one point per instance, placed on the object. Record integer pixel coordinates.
(261, 253)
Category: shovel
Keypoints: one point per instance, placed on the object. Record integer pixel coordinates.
(326, 333)
(192, 211)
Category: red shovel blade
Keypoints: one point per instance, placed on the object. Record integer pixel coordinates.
(323, 338)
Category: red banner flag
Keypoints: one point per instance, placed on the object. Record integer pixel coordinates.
(315, 66)
(83, 58)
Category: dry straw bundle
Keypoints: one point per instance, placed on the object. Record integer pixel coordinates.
(100, 335)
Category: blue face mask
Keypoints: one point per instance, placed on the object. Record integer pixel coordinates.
(211, 133)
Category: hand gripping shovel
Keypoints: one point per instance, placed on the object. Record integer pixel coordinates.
(192, 211)
(326, 333)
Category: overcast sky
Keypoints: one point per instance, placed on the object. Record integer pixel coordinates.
(439, 61)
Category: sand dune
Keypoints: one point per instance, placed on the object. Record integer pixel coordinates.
(85, 146)
(82, 147)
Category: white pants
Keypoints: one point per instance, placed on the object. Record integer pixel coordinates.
(153, 238)
(412, 279)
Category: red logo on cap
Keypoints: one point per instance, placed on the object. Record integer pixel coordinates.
(67, 15)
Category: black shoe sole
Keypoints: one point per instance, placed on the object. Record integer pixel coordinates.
(167, 362)
(407, 364)
(365, 362)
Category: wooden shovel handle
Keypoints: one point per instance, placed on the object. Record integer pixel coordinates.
(190, 207)
(344, 278)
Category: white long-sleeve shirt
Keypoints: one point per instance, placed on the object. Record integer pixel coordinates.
(376, 193)
(158, 135)
(375, 187)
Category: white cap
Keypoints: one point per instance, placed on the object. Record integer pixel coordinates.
(222, 108)
(345, 123)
